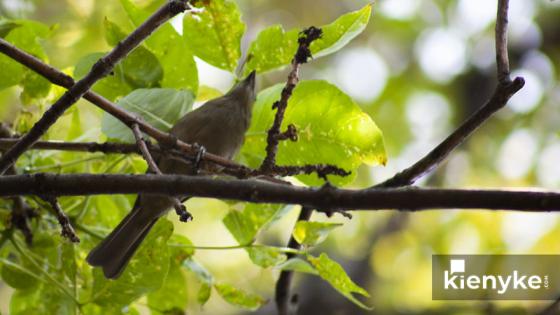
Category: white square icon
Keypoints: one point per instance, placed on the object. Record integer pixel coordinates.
(457, 265)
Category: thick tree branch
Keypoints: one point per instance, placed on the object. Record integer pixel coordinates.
(505, 89)
(100, 69)
(408, 199)
(180, 209)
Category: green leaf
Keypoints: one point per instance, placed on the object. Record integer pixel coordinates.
(206, 93)
(180, 248)
(244, 225)
(334, 274)
(215, 34)
(141, 69)
(331, 128)
(112, 86)
(340, 32)
(274, 47)
(25, 36)
(266, 256)
(204, 294)
(145, 273)
(312, 233)
(75, 129)
(174, 55)
(6, 27)
(18, 277)
(298, 265)
(42, 300)
(113, 33)
(237, 297)
(173, 294)
(158, 107)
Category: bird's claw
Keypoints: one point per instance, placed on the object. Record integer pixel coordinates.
(199, 154)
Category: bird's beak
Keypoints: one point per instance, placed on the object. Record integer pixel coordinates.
(250, 79)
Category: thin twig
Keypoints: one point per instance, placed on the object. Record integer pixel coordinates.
(67, 230)
(99, 70)
(505, 89)
(142, 146)
(502, 59)
(286, 304)
(274, 136)
(406, 199)
(180, 209)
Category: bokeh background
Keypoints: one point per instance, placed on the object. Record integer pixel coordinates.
(420, 68)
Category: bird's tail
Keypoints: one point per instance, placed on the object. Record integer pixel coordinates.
(114, 252)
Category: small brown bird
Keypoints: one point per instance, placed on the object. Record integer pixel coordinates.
(219, 126)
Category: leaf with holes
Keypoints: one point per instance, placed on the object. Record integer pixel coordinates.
(238, 297)
(275, 48)
(331, 129)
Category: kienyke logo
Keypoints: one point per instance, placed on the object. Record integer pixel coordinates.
(495, 277)
(457, 279)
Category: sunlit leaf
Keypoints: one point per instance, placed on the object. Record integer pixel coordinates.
(298, 265)
(334, 274)
(206, 93)
(204, 293)
(113, 33)
(215, 34)
(237, 297)
(312, 233)
(266, 256)
(331, 128)
(159, 107)
(275, 47)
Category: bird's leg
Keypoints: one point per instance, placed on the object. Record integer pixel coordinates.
(199, 154)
